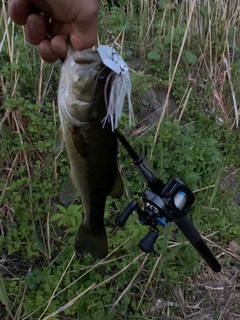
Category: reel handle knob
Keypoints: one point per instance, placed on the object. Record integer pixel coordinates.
(122, 218)
(147, 243)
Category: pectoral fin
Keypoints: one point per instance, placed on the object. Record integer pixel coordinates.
(118, 188)
(79, 142)
(58, 141)
(69, 192)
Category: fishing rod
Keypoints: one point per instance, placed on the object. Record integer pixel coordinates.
(170, 202)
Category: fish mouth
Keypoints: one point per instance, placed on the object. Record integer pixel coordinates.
(85, 57)
(84, 60)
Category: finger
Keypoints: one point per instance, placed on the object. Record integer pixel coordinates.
(46, 52)
(58, 28)
(41, 6)
(64, 10)
(35, 29)
(18, 10)
(84, 36)
(58, 46)
(85, 27)
(82, 10)
(82, 43)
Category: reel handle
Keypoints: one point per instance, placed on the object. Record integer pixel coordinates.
(147, 243)
(191, 233)
(122, 218)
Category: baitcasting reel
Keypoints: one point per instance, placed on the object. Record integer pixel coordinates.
(164, 203)
(172, 204)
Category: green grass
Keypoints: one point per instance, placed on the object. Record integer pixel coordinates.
(179, 47)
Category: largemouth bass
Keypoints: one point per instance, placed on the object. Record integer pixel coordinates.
(91, 149)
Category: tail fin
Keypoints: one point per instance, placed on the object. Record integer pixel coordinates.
(91, 242)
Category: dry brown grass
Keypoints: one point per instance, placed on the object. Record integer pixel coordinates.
(209, 296)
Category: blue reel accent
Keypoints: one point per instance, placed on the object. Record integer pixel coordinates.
(180, 200)
(184, 194)
(162, 222)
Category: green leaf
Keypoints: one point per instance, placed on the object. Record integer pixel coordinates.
(73, 229)
(190, 57)
(172, 253)
(3, 293)
(31, 280)
(77, 209)
(62, 209)
(154, 55)
(128, 53)
(56, 216)
(73, 221)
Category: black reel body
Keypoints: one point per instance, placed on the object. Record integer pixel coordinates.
(172, 204)
(174, 201)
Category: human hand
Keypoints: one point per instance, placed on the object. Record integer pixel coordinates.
(76, 19)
